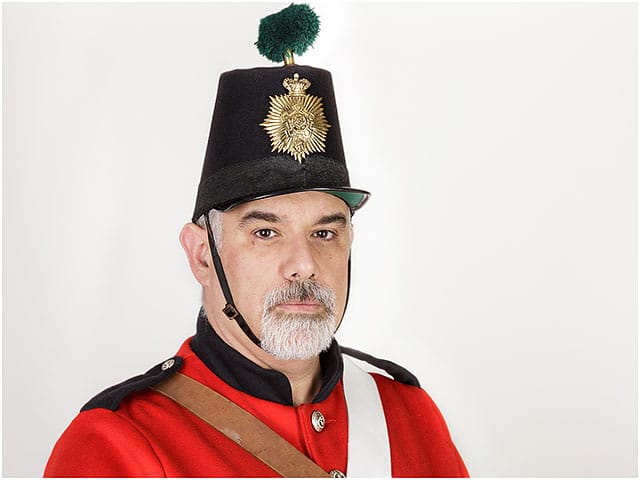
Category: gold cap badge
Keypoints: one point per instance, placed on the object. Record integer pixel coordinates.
(296, 121)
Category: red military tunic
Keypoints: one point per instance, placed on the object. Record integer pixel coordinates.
(145, 434)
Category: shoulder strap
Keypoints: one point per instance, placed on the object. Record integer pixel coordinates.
(398, 373)
(369, 452)
(240, 426)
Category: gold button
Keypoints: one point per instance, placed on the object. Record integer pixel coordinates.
(317, 420)
(336, 474)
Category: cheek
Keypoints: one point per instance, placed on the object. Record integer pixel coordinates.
(336, 276)
(249, 278)
(253, 269)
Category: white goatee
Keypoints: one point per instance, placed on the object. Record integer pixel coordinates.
(298, 336)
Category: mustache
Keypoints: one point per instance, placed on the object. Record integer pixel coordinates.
(301, 291)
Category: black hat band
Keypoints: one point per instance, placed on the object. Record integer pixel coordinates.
(258, 178)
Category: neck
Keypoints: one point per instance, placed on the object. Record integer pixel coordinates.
(305, 376)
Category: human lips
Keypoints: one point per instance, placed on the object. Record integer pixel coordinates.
(300, 306)
(305, 296)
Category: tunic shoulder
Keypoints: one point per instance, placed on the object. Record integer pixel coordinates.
(111, 398)
(421, 443)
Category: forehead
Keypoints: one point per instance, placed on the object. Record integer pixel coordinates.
(294, 205)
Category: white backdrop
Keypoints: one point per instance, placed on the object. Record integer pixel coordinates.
(497, 259)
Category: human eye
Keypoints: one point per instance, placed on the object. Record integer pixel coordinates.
(325, 234)
(265, 233)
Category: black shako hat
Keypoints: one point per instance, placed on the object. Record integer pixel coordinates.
(274, 131)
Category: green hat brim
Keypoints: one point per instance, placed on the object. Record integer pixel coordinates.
(353, 197)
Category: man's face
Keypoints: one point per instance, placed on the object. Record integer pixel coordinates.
(286, 261)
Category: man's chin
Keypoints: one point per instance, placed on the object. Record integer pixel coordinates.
(289, 355)
(297, 337)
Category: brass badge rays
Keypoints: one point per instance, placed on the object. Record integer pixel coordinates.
(296, 121)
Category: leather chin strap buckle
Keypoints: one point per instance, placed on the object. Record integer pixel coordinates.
(230, 311)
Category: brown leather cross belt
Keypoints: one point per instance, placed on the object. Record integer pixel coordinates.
(240, 426)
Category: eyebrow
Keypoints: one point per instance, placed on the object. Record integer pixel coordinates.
(253, 215)
(259, 215)
(339, 218)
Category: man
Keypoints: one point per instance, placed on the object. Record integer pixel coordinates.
(263, 388)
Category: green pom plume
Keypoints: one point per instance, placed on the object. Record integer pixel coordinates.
(294, 28)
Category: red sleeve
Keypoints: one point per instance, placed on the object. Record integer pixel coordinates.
(101, 443)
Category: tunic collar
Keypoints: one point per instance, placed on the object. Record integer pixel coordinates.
(244, 375)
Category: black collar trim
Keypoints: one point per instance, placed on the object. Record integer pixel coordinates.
(244, 375)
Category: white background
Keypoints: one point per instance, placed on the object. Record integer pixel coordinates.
(496, 260)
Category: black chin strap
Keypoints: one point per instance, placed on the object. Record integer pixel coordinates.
(346, 300)
(229, 310)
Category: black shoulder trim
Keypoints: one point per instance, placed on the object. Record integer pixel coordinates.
(112, 396)
(398, 373)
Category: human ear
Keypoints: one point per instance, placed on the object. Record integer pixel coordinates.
(351, 234)
(194, 242)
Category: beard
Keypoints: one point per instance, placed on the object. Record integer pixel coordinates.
(298, 336)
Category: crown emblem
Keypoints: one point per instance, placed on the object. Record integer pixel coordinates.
(296, 123)
(297, 86)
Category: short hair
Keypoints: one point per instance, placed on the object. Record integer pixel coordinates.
(215, 219)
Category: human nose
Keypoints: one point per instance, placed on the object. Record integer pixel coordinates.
(300, 263)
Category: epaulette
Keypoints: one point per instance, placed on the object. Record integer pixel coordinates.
(398, 373)
(112, 396)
